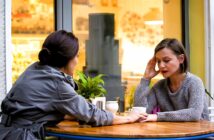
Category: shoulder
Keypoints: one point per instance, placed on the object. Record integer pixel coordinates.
(49, 73)
(193, 80)
(193, 83)
(66, 88)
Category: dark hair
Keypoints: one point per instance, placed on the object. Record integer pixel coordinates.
(58, 48)
(177, 47)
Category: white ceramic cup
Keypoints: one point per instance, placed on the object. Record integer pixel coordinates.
(112, 106)
(138, 109)
(99, 102)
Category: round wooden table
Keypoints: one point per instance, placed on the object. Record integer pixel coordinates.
(146, 130)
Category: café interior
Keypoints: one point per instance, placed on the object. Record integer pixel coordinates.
(135, 28)
(116, 38)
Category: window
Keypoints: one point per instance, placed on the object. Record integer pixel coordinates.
(118, 37)
(32, 21)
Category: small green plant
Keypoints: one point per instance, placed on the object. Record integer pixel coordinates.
(90, 87)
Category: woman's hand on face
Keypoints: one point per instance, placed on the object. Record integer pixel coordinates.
(149, 118)
(150, 71)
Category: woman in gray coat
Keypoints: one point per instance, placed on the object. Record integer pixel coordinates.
(45, 93)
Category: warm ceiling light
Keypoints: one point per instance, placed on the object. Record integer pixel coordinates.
(154, 16)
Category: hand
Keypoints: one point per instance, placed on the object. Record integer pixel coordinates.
(130, 118)
(150, 71)
(69, 117)
(149, 118)
(136, 117)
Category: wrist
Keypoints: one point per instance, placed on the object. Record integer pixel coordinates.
(154, 117)
(129, 119)
(146, 76)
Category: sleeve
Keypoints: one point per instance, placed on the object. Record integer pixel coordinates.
(71, 103)
(195, 105)
(144, 96)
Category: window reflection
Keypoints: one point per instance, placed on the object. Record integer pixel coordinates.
(121, 53)
(32, 21)
(102, 54)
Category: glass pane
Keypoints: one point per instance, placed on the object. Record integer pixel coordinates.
(32, 21)
(117, 38)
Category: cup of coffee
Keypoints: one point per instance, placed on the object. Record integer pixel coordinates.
(138, 109)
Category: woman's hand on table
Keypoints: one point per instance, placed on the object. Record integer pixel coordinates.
(130, 118)
(149, 118)
(136, 117)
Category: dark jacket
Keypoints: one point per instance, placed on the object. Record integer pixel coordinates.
(43, 95)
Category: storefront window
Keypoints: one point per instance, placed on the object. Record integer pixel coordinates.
(117, 38)
(32, 21)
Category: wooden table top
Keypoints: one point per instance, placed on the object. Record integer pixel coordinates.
(136, 130)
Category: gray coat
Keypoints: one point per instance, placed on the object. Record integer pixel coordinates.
(43, 94)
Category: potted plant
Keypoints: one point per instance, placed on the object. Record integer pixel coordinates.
(90, 87)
